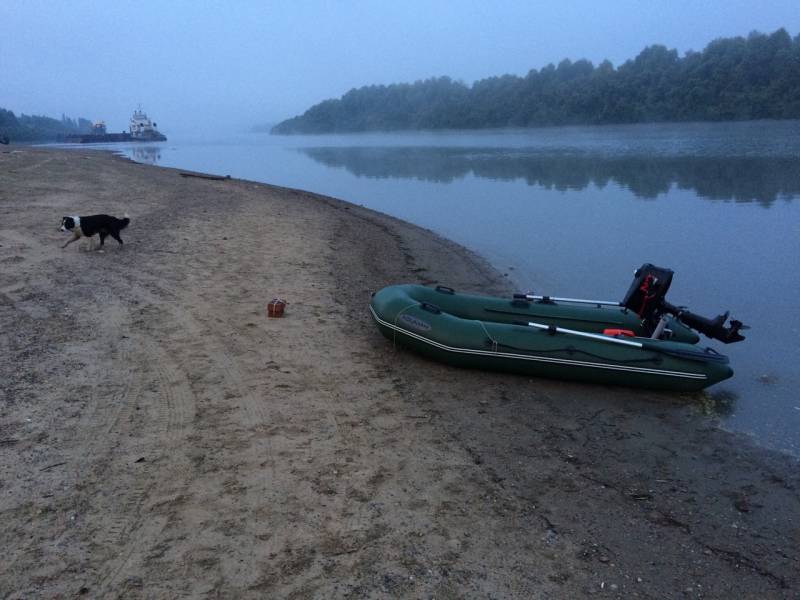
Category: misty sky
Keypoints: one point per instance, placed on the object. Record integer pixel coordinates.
(224, 66)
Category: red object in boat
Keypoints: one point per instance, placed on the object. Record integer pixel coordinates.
(617, 332)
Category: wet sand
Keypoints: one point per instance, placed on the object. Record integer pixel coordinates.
(160, 437)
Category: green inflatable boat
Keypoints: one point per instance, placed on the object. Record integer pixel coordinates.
(564, 338)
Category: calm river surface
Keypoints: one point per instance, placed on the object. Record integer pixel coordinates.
(572, 211)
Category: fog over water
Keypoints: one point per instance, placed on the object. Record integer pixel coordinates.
(206, 68)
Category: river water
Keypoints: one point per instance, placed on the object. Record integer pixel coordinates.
(573, 211)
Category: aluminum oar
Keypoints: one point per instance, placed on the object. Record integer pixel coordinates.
(573, 300)
(584, 334)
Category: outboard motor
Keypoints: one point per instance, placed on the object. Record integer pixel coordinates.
(648, 291)
(647, 298)
(713, 328)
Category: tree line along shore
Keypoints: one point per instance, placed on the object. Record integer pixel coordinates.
(37, 128)
(739, 78)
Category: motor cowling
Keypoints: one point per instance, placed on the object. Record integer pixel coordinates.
(648, 290)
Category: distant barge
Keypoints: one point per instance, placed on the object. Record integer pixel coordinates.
(141, 129)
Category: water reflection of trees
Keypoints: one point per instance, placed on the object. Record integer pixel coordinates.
(739, 179)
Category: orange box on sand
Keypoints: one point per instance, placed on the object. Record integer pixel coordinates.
(275, 307)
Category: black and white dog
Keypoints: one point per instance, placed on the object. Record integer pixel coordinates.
(89, 226)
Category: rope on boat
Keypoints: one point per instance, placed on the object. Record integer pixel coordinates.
(394, 329)
(494, 341)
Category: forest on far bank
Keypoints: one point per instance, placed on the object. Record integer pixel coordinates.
(740, 78)
(33, 128)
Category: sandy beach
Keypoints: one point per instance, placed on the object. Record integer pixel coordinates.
(160, 437)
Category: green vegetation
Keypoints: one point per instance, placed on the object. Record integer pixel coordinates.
(757, 77)
(32, 128)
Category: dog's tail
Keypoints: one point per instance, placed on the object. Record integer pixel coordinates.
(125, 220)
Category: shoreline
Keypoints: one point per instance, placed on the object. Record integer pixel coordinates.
(167, 438)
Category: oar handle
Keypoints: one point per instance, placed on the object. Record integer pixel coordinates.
(584, 334)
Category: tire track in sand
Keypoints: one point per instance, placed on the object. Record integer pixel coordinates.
(175, 410)
(90, 457)
(206, 351)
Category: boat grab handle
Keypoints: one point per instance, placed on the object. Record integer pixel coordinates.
(445, 290)
(431, 308)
